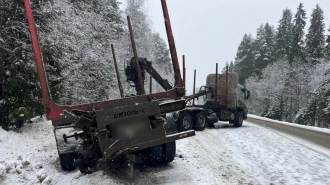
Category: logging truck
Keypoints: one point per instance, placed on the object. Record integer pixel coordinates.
(224, 100)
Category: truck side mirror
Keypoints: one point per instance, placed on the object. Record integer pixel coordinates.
(247, 94)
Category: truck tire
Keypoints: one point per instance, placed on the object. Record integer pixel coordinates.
(87, 163)
(152, 155)
(67, 161)
(185, 122)
(169, 150)
(238, 119)
(200, 121)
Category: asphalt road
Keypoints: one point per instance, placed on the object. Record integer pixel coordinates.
(317, 137)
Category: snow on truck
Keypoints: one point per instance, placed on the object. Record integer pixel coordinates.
(89, 133)
(225, 100)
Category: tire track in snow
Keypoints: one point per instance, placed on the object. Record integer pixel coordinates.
(271, 158)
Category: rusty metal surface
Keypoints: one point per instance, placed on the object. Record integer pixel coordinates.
(216, 84)
(104, 89)
(146, 140)
(46, 98)
(55, 112)
(117, 72)
(171, 106)
(194, 90)
(226, 88)
(137, 63)
(171, 42)
(184, 70)
(146, 66)
(150, 85)
(114, 127)
(128, 112)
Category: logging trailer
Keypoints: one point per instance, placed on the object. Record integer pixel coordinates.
(89, 133)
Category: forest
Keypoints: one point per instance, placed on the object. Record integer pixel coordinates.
(288, 70)
(75, 38)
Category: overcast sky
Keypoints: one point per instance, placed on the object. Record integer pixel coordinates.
(209, 31)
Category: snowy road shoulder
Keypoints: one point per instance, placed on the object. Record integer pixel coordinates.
(222, 155)
(317, 129)
(315, 135)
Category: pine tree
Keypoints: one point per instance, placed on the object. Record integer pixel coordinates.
(284, 36)
(21, 95)
(244, 61)
(315, 39)
(297, 46)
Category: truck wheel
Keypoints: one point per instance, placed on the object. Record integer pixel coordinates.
(169, 150)
(239, 119)
(185, 122)
(87, 161)
(152, 155)
(211, 125)
(200, 121)
(67, 161)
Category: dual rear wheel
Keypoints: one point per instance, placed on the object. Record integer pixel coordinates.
(160, 154)
(188, 121)
(156, 155)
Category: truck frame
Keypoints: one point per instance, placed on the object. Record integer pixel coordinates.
(89, 133)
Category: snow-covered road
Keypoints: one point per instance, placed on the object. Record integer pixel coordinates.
(222, 155)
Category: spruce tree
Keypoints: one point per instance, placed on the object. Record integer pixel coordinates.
(244, 61)
(315, 39)
(270, 40)
(149, 45)
(327, 48)
(162, 61)
(264, 45)
(231, 66)
(162, 55)
(82, 31)
(260, 50)
(297, 46)
(20, 91)
(141, 27)
(284, 36)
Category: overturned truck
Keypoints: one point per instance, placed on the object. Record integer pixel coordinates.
(89, 133)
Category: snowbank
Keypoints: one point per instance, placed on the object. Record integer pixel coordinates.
(323, 130)
(31, 157)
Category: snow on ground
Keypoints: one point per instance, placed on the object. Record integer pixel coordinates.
(325, 130)
(222, 155)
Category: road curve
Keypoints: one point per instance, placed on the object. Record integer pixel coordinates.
(314, 136)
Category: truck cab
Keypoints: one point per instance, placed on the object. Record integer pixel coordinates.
(230, 98)
(243, 96)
